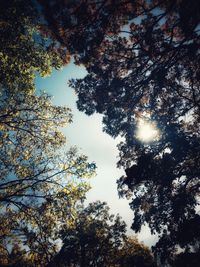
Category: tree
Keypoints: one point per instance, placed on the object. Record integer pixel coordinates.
(94, 238)
(23, 51)
(40, 181)
(181, 246)
(148, 68)
(134, 253)
(98, 239)
(67, 23)
(35, 221)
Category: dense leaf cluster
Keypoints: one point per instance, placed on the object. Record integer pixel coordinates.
(98, 239)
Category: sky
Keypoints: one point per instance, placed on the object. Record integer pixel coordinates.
(86, 133)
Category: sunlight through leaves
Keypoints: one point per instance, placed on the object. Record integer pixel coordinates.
(147, 131)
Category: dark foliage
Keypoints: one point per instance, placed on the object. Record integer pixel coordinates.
(148, 68)
(98, 239)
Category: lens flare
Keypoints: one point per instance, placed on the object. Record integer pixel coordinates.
(147, 131)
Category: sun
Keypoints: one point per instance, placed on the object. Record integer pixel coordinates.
(147, 131)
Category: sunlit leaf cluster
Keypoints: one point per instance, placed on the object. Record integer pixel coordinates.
(41, 180)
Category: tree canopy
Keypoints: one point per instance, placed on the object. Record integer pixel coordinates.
(99, 239)
(142, 61)
(41, 181)
(23, 51)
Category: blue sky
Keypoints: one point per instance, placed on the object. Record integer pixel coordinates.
(86, 133)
